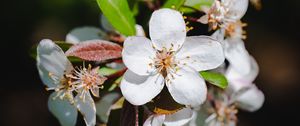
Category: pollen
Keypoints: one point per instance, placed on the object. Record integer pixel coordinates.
(164, 62)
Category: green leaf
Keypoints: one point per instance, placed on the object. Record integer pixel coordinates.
(105, 71)
(115, 83)
(193, 5)
(119, 15)
(216, 79)
(134, 6)
(175, 4)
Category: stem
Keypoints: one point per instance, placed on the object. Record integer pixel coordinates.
(136, 108)
(150, 5)
(192, 19)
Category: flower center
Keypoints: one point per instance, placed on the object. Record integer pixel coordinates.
(88, 79)
(164, 62)
(235, 29)
(225, 113)
(80, 79)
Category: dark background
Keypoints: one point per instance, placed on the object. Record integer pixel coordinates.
(273, 39)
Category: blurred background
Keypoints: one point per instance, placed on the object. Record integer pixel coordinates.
(273, 39)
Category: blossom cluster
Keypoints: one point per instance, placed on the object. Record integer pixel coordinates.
(163, 74)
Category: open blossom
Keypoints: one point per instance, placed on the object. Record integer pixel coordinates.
(246, 94)
(224, 12)
(168, 58)
(240, 94)
(179, 118)
(235, 51)
(58, 74)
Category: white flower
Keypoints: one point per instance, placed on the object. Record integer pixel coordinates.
(179, 118)
(81, 34)
(246, 94)
(53, 66)
(169, 58)
(224, 12)
(58, 74)
(235, 51)
(240, 94)
(86, 33)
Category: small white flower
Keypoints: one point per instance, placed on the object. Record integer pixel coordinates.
(179, 118)
(58, 74)
(245, 93)
(53, 66)
(169, 58)
(81, 34)
(235, 51)
(224, 12)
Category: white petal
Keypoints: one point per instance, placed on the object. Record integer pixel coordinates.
(201, 53)
(179, 118)
(237, 55)
(81, 34)
(167, 28)
(138, 54)
(187, 87)
(203, 19)
(103, 106)
(251, 100)
(139, 30)
(106, 25)
(239, 80)
(154, 120)
(87, 108)
(237, 8)
(139, 90)
(219, 35)
(51, 59)
(62, 110)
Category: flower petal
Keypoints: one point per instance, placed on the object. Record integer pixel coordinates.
(138, 54)
(201, 53)
(139, 30)
(219, 35)
(105, 24)
(86, 107)
(237, 8)
(167, 28)
(104, 105)
(63, 110)
(51, 59)
(179, 118)
(237, 80)
(81, 34)
(154, 120)
(251, 100)
(187, 87)
(237, 55)
(139, 90)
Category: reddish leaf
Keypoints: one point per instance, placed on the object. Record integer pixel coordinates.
(95, 50)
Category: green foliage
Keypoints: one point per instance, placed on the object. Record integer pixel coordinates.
(105, 71)
(193, 5)
(216, 79)
(175, 4)
(119, 15)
